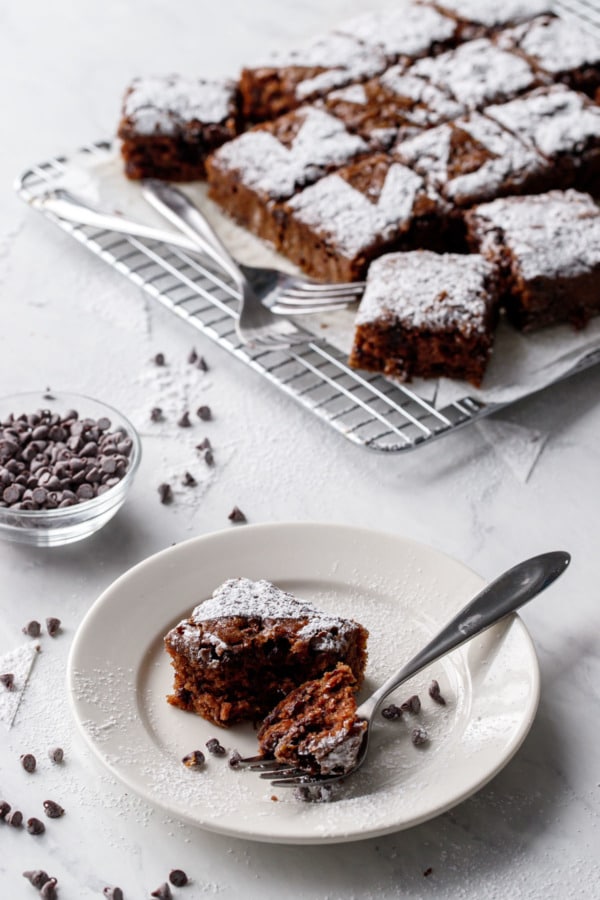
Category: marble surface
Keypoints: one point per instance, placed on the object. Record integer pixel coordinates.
(488, 495)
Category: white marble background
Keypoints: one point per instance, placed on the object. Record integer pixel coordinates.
(69, 322)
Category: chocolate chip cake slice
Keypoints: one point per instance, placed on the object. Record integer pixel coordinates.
(250, 644)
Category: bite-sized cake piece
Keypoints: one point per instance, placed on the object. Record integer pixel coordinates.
(250, 644)
(250, 175)
(288, 78)
(477, 73)
(427, 314)
(479, 17)
(564, 126)
(561, 49)
(394, 105)
(315, 727)
(169, 125)
(334, 228)
(474, 159)
(548, 250)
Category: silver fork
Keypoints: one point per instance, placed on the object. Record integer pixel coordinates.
(503, 596)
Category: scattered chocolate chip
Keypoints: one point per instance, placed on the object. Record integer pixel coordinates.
(194, 760)
(412, 705)
(189, 480)
(156, 414)
(274, 798)
(14, 818)
(236, 515)
(434, 693)
(391, 712)
(178, 878)
(48, 892)
(209, 458)
(184, 421)
(419, 736)
(48, 395)
(165, 493)
(204, 413)
(163, 892)
(204, 445)
(56, 754)
(35, 826)
(53, 626)
(159, 359)
(33, 628)
(29, 762)
(202, 364)
(113, 893)
(192, 356)
(37, 877)
(213, 746)
(53, 810)
(235, 759)
(428, 872)
(4, 809)
(8, 680)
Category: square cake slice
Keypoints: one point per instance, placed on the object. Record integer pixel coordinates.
(427, 314)
(478, 17)
(244, 649)
(334, 228)
(169, 125)
(252, 174)
(548, 250)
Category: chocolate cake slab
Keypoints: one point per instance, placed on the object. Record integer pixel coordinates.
(244, 649)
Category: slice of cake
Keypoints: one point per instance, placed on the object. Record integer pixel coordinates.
(250, 644)
(169, 125)
(315, 727)
(548, 250)
(427, 314)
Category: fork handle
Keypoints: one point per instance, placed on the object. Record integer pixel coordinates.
(503, 596)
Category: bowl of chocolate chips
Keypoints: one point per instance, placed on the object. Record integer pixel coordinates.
(66, 465)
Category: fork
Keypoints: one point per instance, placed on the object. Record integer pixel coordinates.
(506, 594)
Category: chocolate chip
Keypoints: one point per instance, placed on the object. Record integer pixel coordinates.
(113, 893)
(202, 364)
(184, 421)
(428, 872)
(14, 818)
(4, 809)
(204, 413)
(178, 878)
(163, 892)
(8, 680)
(189, 480)
(35, 826)
(56, 754)
(159, 359)
(194, 760)
(419, 736)
(204, 445)
(213, 746)
(209, 458)
(48, 892)
(156, 414)
(53, 810)
(165, 493)
(434, 693)
(412, 705)
(192, 356)
(37, 877)
(29, 762)
(33, 628)
(236, 515)
(391, 712)
(235, 759)
(53, 626)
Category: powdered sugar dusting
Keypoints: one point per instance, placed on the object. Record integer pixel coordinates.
(17, 662)
(556, 45)
(491, 13)
(165, 104)
(427, 290)
(406, 29)
(432, 104)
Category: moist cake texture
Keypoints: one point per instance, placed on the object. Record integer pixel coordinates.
(244, 649)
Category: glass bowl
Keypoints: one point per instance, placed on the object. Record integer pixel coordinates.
(54, 527)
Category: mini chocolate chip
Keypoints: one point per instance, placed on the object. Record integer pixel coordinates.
(14, 818)
(209, 458)
(56, 754)
(194, 760)
(235, 759)
(163, 892)
(156, 414)
(419, 736)
(159, 359)
(391, 712)
(178, 878)
(412, 705)
(53, 810)
(213, 746)
(8, 680)
(202, 364)
(35, 826)
(84, 491)
(428, 872)
(184, 421)
(204, 413)
(53, 626)
(103, 424)
(192, 356)
(189, 480)
(165, 493)
(37, 877)
(113, 893)
(29, 762)
(48, 892)
(33, 628)
(434, 693)
(204, 445)
(4, 809)
(236, 515)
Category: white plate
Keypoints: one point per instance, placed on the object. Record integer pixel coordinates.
(119, 675)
